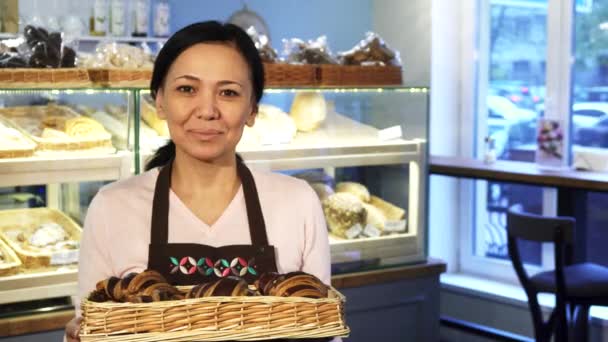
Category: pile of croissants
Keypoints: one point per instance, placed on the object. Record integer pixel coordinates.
(151, 286)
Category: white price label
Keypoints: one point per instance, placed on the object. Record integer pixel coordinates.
(371, 231)
(64, 257)
(390, 133)
(395, 226)
(354, 231)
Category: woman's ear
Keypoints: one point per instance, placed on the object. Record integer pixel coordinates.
(160, 111)
(251, 119)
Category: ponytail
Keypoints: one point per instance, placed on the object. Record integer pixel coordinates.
(166, 153)
(162, 156)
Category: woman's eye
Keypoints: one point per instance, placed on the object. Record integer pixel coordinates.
(229, 93)
(185, 89)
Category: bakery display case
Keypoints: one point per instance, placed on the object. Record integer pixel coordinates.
(363, 150)
(57, 147)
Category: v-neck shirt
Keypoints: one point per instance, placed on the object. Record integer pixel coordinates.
(117, 227)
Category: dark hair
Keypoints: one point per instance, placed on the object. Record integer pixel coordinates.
(202, 32)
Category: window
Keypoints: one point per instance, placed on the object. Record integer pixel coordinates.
(518, 79)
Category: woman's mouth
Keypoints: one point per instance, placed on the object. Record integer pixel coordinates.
(205, 134)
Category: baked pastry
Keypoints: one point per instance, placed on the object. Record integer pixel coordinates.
(150, 117)
(390, 211)
(374, 217)
(308, 111)
(147, 286)
(357, 189)
(272, 126)
(83, 127)
(227, 286)
(322, 190)
(343, 211)
(293, 284)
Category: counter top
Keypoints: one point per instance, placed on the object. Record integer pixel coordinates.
(518, 172)
(20, 325)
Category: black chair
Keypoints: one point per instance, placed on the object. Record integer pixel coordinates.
(576, 286)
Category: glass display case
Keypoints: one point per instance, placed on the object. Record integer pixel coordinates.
(363, 150)
(57, 147)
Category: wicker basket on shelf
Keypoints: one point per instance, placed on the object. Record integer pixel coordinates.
(43, 78)
(287, 75)
(355, 75)
(118, 77)
(10, 263)
(215, 319)
(27, 220)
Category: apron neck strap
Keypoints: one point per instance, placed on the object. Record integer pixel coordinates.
(160, 206)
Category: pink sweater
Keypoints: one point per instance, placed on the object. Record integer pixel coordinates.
(117, 227)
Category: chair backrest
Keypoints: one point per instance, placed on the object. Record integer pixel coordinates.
(531, 227)
(538, 228)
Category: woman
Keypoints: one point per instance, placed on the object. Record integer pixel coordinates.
(197, 194)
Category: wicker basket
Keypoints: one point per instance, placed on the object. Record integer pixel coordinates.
(354, 75)
(43, 78)
(10, 263)
(27, 220)
(287, 75)
(26, 147)
(21, 116)
(215, 319)
(117, 77)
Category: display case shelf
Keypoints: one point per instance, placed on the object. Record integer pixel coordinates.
(65, 168)
(52, 283)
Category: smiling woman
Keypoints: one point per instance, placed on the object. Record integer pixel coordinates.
(197, 199)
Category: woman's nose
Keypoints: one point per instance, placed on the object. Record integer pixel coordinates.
(207, 107)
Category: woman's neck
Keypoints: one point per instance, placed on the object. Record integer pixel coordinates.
(196, 179)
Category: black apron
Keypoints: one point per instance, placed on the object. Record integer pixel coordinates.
(191, 263)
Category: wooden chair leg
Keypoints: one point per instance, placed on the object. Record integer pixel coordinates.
(581, 323)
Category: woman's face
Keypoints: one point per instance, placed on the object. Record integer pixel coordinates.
(207, 99)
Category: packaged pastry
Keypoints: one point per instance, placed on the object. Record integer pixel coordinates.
(40, 236)
(315, 51)
(308, 111)
(38, 48)
(344, 212)
(56, 127)
(116, 55)
(370, 51)
(13, 143)
(357, 189)
(262, 43)
(374, 217)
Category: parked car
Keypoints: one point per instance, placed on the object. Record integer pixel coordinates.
(521, 95)
(518, 123)
(596, 135)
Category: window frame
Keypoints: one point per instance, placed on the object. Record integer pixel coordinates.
(474, 75)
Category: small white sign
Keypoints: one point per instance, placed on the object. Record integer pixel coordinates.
(64, 257)
(395, 226)
(371, 231)
(390, 133)
(354, 231)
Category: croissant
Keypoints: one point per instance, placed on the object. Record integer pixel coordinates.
(228, 286)
(294, 284)
(141, 287)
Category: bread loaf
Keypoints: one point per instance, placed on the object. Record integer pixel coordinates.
(308, 111)
(342, 211)
(354, 188)
(390, 211)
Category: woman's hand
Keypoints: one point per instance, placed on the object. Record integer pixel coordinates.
(72, 329)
